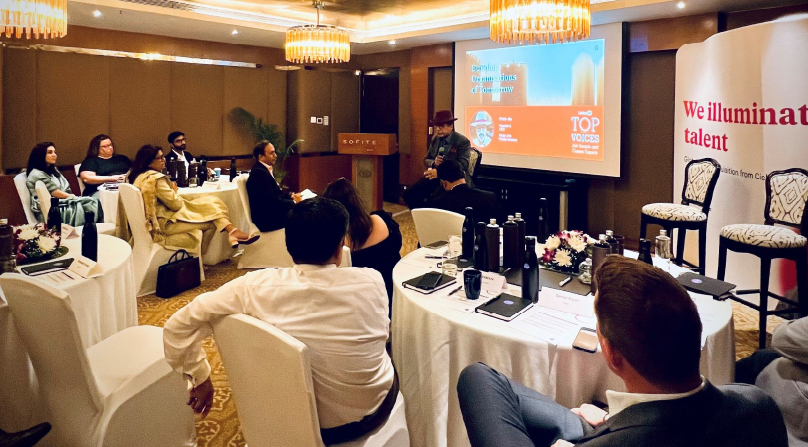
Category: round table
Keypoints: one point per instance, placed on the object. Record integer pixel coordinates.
(103, 305)
(434, 338)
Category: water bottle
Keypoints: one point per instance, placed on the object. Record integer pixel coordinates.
(510, 244)
(663, 250)
(530, 271)
(55, 220)
(468, 235)
(480, 256)
(613, 244)
(492, 245)
(600, 250)
(89, 237)
(645, 252)
(203, 171)
(543, 231)
(8, 259)
(520, 236)
(232, 169)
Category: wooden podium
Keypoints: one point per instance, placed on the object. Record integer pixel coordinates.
(367, 150)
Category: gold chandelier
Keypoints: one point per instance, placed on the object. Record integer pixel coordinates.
(539, 21)
(308, 44)
(45, 18)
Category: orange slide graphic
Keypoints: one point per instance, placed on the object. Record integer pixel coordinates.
(549, 131)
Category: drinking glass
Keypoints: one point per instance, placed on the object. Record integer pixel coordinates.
(451, 255)
(193, 182)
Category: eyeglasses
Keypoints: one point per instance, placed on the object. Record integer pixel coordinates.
(160, 158)
(444, 125)
(179, 141)
(105, 146)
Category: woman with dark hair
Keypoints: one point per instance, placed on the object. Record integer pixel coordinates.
(42, 167)
(102, 165)
(175, 222)
(374, 239)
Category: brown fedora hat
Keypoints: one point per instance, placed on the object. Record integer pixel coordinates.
(443, 117)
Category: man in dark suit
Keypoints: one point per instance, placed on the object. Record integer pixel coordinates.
(445, 145)
(460, 195)
(268, 204)
(176, 141)
(650, 336)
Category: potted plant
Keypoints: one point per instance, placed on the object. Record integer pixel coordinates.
(259, 130)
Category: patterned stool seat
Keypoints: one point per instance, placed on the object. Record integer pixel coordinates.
(674, 212)
(768, 236)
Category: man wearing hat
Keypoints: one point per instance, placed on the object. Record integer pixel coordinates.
(446, 145)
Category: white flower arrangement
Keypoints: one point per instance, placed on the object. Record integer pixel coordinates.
(46, 244)
(566, 250)
(28, 233)
(34, 243)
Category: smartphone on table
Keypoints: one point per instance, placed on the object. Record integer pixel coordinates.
(586, 340)
(429, 281)
(437, 244)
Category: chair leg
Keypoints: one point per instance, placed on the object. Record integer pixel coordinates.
(702, 251)
(681, 235)
(765, 268)
(802, 283)
(722, 259)
(643, 224)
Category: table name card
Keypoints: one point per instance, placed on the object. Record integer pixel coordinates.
(69, 231)
(493, 283)
(85, 267)
(567, 302)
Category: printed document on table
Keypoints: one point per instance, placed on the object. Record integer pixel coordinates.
(456, 300)
(545, 324)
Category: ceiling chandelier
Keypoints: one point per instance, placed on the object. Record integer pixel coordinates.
(42, 18)
(308, 44)
(539, 21)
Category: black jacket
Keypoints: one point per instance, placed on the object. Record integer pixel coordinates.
(485, 203)
(171, 155)
(268, 204)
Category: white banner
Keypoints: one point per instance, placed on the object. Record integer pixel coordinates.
(741, 98)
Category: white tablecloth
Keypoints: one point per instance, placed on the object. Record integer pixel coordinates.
(432, 343)
(103, 305)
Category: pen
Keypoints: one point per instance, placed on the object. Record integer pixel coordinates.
(433, 257)
(455, 290)
(565, 281)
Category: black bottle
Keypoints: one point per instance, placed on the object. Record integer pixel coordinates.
(182, 174)
(645, 252)
(468, 235)
(492, 245)
(530, 271)
(600, 250)
(480, 257)
(510, 244)
(55, 217)
(612, 242)
(520, 237)
(232, 169)
(203, 171)
(543, 231)
(89, 237)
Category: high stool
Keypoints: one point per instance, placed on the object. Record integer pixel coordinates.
(786, 195)
(700, 179)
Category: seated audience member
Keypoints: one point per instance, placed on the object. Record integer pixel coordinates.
(782, 371)
(374, 239)
(460, 195)
(445, 145)
(175, 222)
(268, 204)
(42, 167)
(650, 336)
(102, 165)
(340, 314)
(177, 149)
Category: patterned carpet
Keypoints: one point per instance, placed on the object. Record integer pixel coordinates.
(221, 427)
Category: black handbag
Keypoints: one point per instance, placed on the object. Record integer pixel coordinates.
(179, 274)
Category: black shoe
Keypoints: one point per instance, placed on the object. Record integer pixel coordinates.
(25, 438)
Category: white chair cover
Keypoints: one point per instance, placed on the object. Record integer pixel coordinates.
(432, 224)
(270, 249)
(78, 177)
(270, 374)
(119, 392)
(148, 255)
(44, 197)
(25, 196)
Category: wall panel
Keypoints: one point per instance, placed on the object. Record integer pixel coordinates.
(344, 105)
(19, 106)
(72, 101)
(139, 107)
(276, 97)
(309, 92)
(197, 102)
(246, 88)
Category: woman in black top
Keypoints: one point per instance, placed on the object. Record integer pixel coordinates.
(374, 239)
(102, 165)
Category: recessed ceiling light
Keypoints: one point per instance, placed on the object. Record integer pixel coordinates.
(680, 5)
(392, 42)
(97, 13)
(235, 31)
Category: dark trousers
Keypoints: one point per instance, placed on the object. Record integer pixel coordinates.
(500, 412)
(421, 193)
(747, 370)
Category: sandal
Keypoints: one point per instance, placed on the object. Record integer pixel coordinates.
(235, 242)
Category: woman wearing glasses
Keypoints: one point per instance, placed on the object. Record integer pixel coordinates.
(102, 165)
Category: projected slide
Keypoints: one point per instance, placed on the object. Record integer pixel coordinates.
(538, 100)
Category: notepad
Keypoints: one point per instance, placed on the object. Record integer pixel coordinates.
(445, 281)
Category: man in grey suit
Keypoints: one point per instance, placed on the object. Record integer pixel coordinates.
(650, 336)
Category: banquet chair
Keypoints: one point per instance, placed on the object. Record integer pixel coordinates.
(270, 374)
(148, 255)
(78, 177)
(475, 160)
(118, 392)
(44, 197)
(786, 196)
(700, 179)
(270, 249)
(25, 196)
(432, 224)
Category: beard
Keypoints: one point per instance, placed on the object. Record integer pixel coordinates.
(180, 147)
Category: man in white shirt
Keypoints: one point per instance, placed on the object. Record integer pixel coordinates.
(650, 336)
(340, 314)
